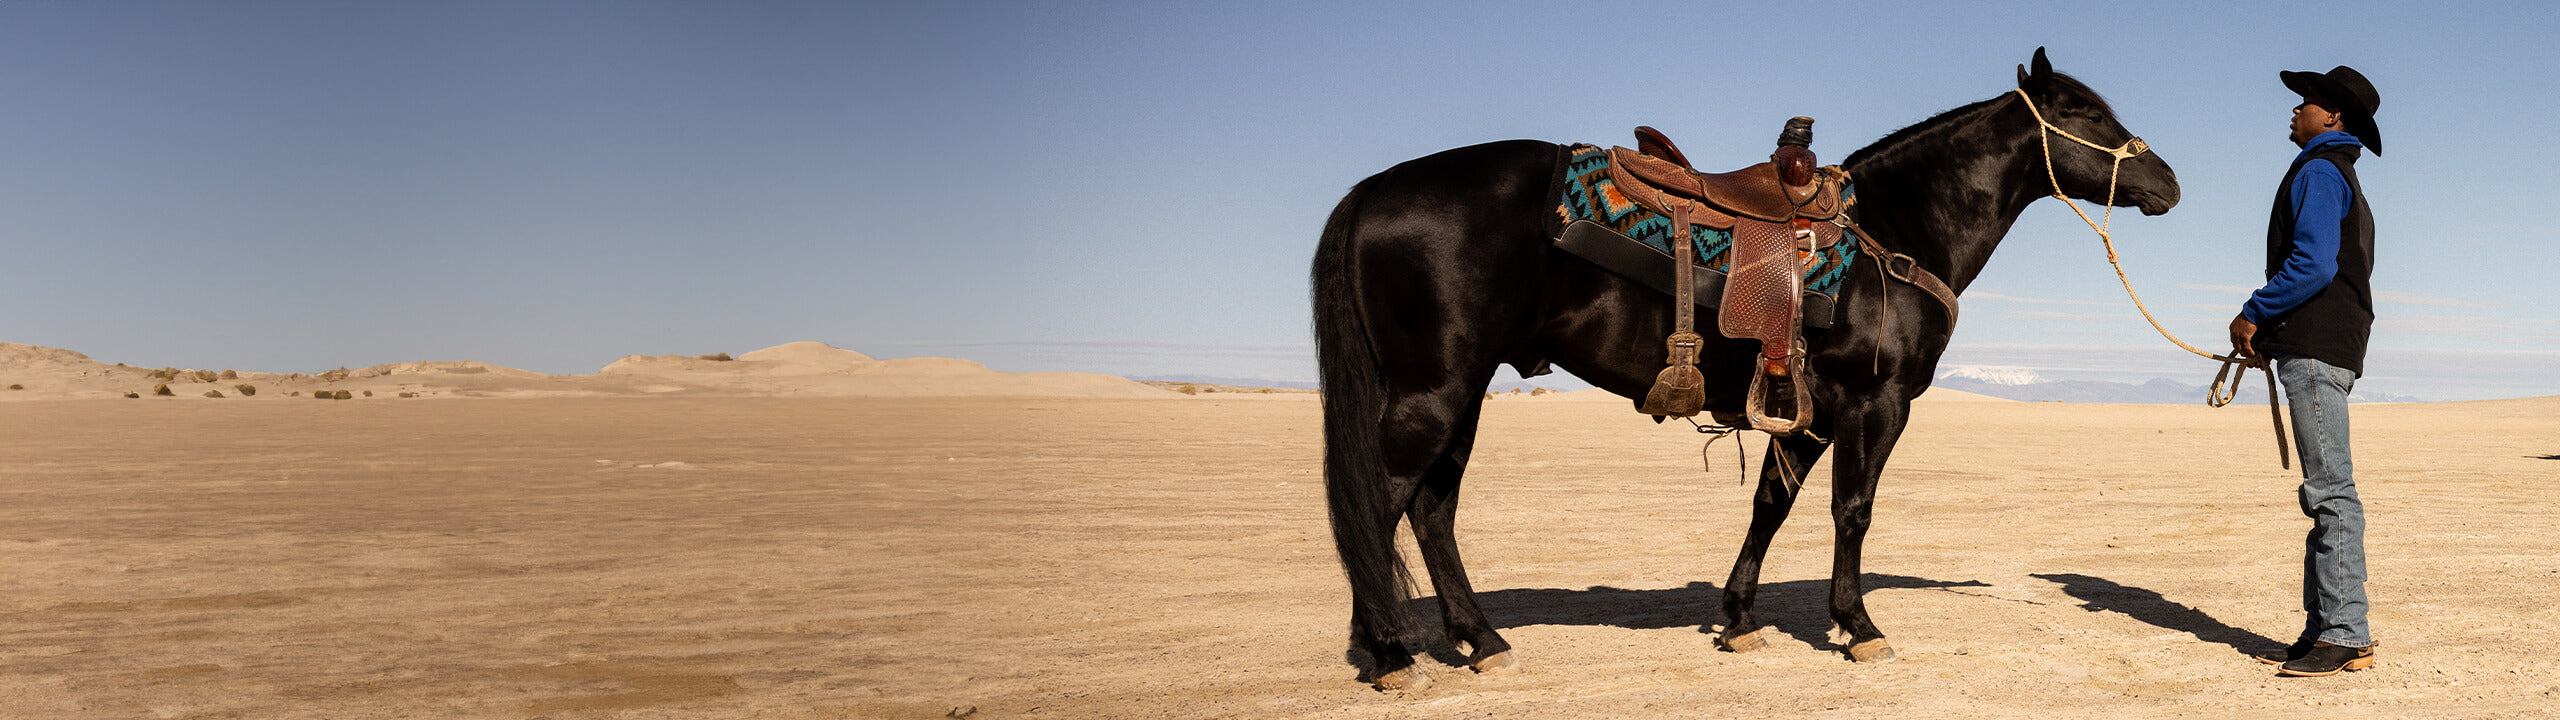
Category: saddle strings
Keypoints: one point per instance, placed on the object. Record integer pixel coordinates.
(1706, 454)
(2216, 395)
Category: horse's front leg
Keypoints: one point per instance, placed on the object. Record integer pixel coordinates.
(1779, 485)
(1865, 435)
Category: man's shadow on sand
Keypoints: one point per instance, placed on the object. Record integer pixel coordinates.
(2103, 595)
(1799, 608)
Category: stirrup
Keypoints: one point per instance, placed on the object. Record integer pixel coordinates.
(1799, 415)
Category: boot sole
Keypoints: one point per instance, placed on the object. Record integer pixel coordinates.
(2352, 665)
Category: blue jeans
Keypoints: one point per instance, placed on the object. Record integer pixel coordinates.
(2333, 555)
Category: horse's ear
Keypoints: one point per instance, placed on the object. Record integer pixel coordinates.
(2035, 79)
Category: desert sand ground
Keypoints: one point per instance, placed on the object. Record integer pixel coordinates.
(685, 555)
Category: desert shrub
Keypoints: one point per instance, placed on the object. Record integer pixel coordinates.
(1533, 392)
(163, 389)
(342, 395)
(408, 394)
(246, 389)
(293, 393)
(1188, 389)
(15, 386)
(323, 395)
(213, 393)
(207, 376)
(230, 374)
(722, 357)
(368, 393)
(133, 395)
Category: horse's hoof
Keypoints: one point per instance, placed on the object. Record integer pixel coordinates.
(1501, 662)
(1742, 643)
(1872, 651)
(1411, 678)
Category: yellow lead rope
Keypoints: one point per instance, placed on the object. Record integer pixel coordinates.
(2215, 396)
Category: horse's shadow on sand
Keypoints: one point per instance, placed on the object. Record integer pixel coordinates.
(1799, 608)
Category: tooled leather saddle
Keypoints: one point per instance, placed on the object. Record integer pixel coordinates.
(1780, 212)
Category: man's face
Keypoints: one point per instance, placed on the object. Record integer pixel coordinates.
(2315, 115)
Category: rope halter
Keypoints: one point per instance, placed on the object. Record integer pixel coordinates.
(2129, 150)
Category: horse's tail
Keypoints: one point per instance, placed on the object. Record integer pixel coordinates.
(1355, 474)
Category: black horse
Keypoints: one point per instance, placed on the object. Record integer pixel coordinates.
(1434, 273)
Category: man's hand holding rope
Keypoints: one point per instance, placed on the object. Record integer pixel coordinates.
(2242, 331)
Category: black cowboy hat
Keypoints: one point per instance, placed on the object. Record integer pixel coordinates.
(2354, 95)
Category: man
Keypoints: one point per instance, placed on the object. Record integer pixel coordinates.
(2312, 319)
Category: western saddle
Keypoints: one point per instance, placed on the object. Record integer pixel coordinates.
(1779, 212)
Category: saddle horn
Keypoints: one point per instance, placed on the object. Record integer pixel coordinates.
(1795, 154)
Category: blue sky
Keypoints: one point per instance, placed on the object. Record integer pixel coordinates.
(1135, 188)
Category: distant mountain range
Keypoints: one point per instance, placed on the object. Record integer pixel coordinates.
(2016, 383)
(1503, 386)
(1225, 380)
(2012, 383)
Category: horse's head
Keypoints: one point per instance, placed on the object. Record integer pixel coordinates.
(2083, 167)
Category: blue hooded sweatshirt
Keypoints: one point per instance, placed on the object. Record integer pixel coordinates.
(2321, 199)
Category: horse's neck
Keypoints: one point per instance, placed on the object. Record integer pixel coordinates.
(1946, 197)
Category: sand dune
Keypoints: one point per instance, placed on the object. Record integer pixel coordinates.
(799, 369)
(812, 369)
(1939, 394)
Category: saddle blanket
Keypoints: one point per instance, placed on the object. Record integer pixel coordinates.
(1589, 194)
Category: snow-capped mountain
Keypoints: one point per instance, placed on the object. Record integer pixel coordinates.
(1992, 374)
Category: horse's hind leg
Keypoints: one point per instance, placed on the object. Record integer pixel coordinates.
(1382, 638)
(1434, 513)
(1779, 485)
(1427, 435)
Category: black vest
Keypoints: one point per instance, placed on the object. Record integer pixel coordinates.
(2333, 326)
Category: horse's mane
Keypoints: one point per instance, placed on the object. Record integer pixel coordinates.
(1899, 138)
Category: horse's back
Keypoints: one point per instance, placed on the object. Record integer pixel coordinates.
(1504, 170)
